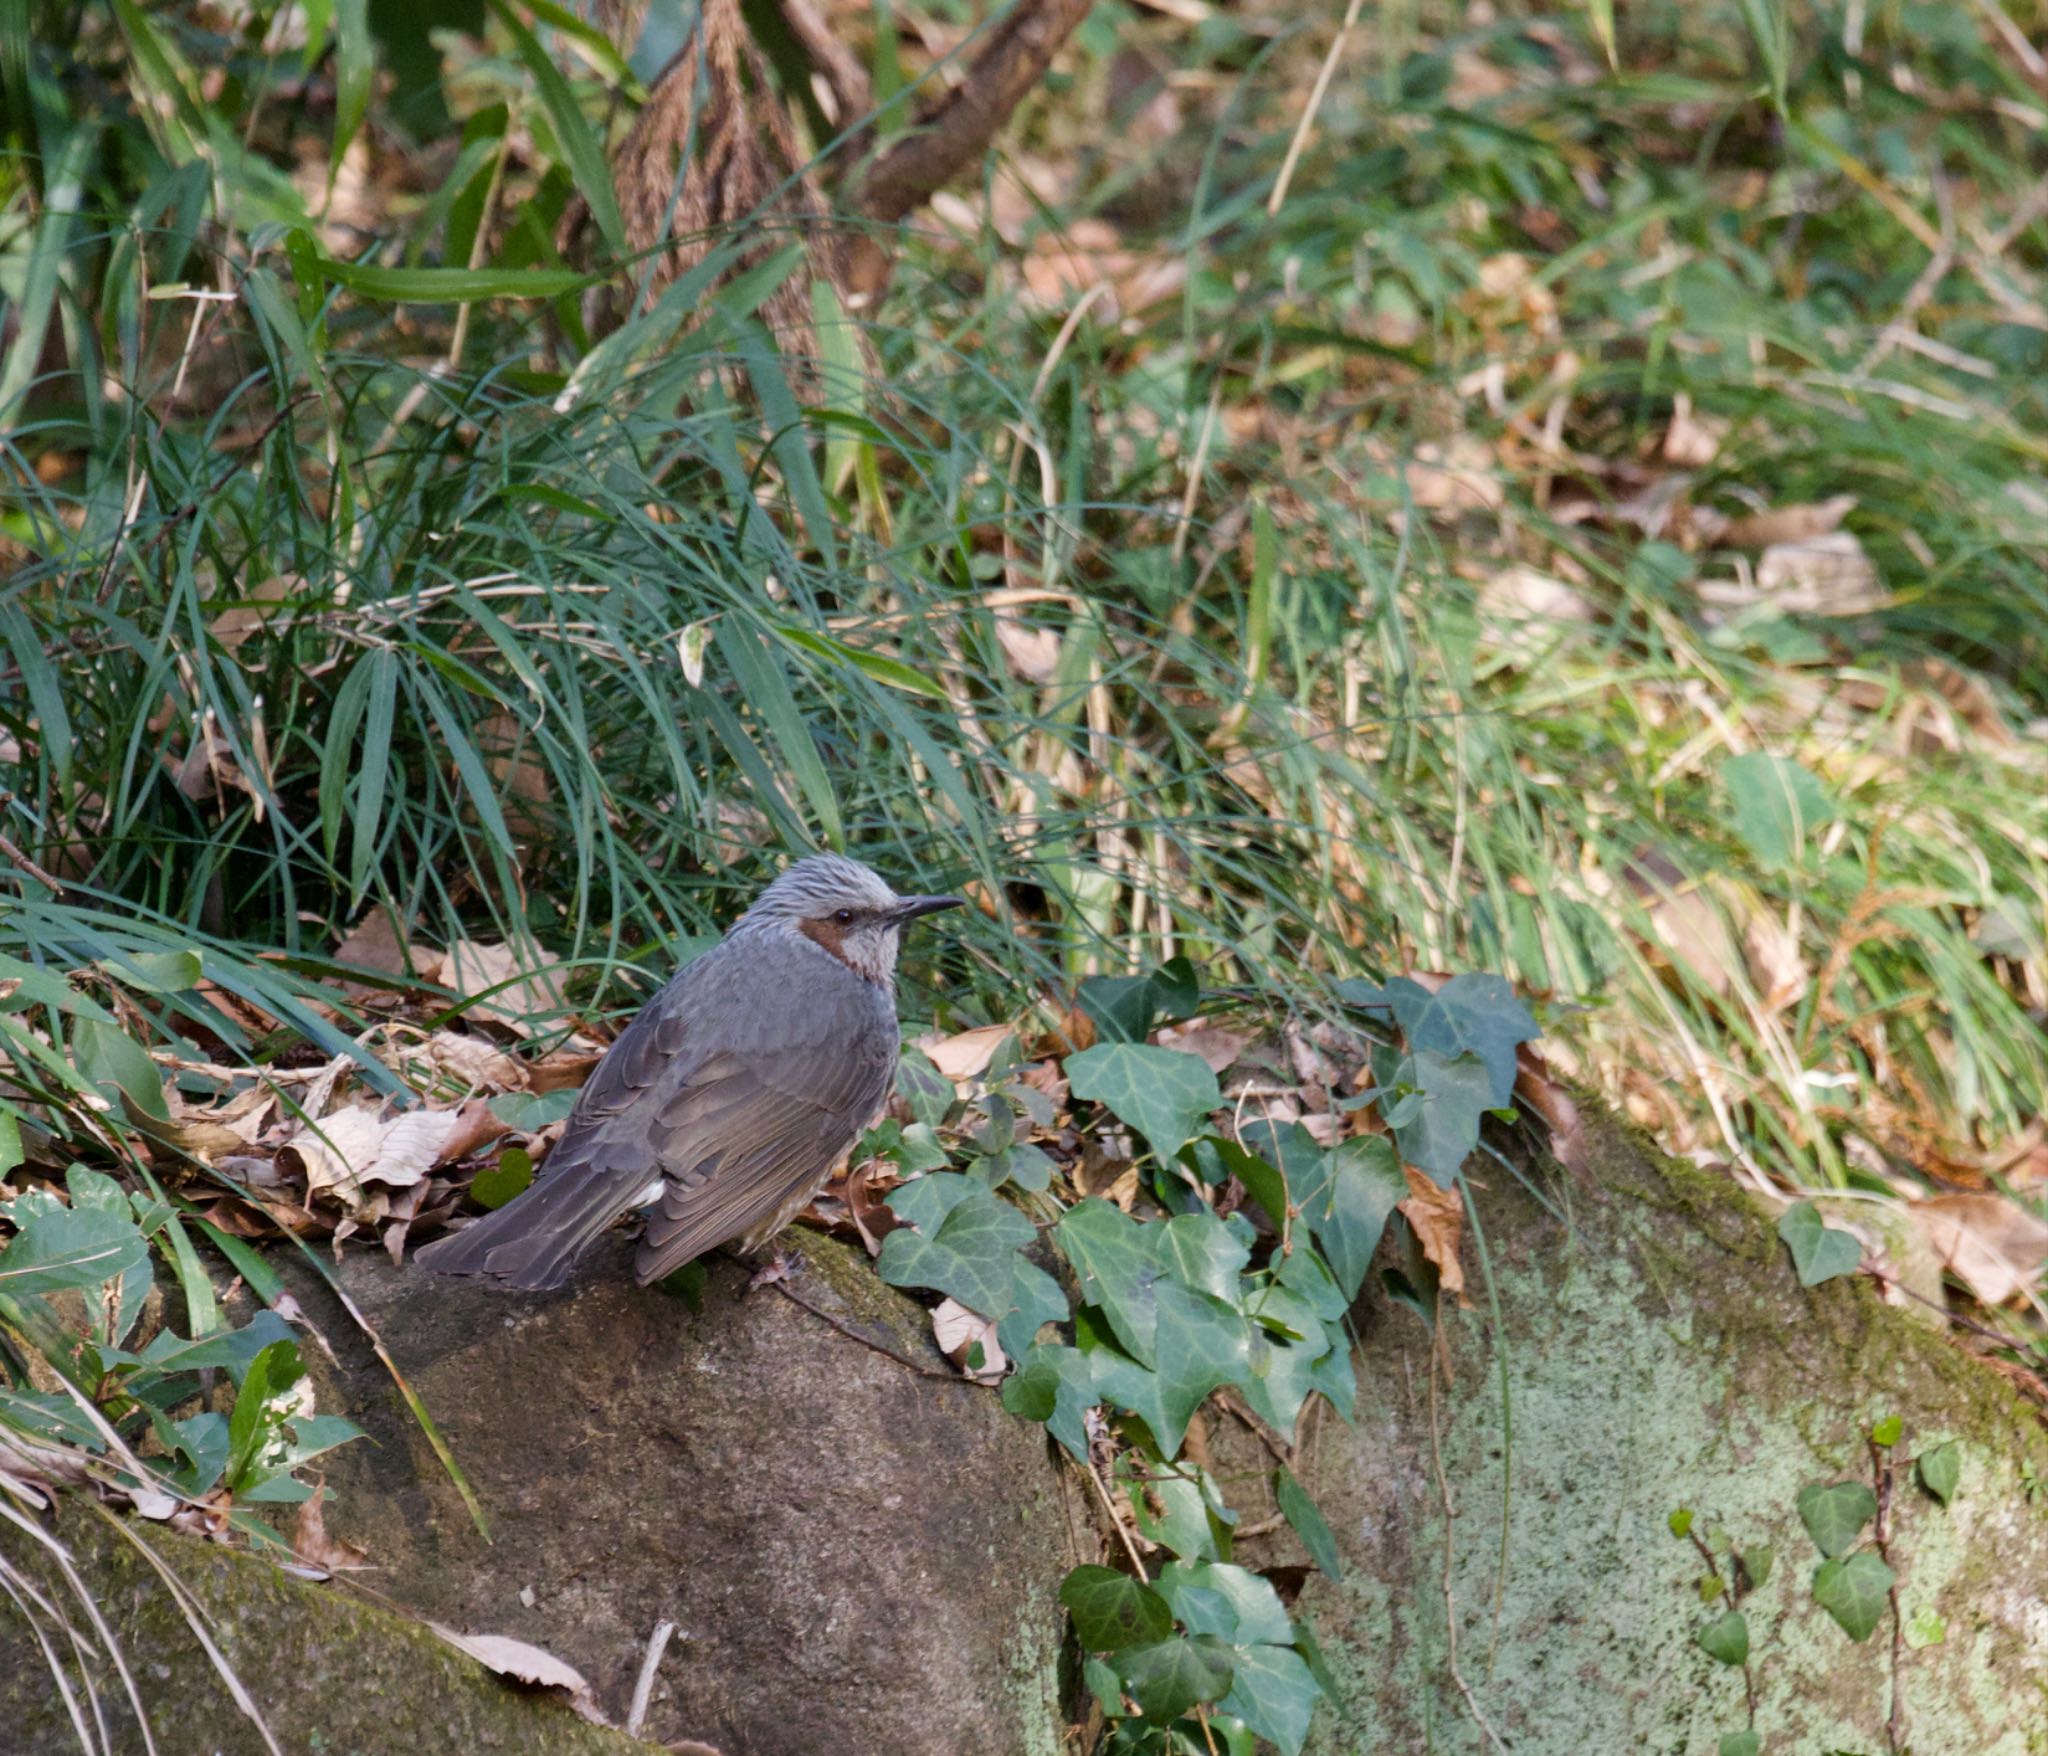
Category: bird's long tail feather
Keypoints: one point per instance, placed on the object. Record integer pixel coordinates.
(533, 1241)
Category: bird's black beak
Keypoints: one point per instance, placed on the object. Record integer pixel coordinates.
(908, 908)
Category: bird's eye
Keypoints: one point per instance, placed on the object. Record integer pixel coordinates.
(844, 917)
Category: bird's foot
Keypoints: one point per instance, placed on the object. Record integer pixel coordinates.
(779, 1267)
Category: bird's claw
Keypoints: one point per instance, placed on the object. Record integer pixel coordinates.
(779, 1267)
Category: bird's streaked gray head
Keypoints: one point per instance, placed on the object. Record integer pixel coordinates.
(844, 907)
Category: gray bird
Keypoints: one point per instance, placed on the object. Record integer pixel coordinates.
(725, 1105)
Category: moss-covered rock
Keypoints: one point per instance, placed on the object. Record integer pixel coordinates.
(860, 1551)
(1655, 1351)
(327, 1672)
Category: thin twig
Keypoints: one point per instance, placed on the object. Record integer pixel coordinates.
(15, 857)
(867, 1341)
(1881, 1467)
(1308, 114)
(643, 1688)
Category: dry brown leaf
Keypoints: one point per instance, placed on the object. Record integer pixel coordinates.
(1463, 476)
(1992, 1245)
(1786, 524)
(1437, 1217)
(1692, 441)
(965, 1054)
(373, 943)
(1033, 652)
(473, 1061)
(526, 1664)
(1535, 1087)
(351, 1148)
(1776, 964)
(1089, 253)
(475, 1127)
(312, 1544)
(517, 991)
(1219, 1047)
(957, 1330)
(1522, 594)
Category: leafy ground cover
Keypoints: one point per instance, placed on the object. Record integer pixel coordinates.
(1562, 498)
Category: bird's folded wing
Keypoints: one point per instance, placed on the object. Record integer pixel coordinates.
(744, 1138)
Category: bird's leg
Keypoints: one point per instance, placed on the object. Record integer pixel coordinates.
(780, 1266)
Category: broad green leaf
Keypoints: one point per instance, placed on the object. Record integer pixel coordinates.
(234, 1349)
(1477, 1013)
(1349, 1212)
(579, 144)
(1111, 1610)
(1200, 1251)
(203, 1439)
(1251, 1608)
(1174, 1510)
(1035, 1300)
(497, 1184)
(1117, 1261)
(256, 1441)
(11, 1153)
(970, 1254)
(927, 1091)
(1777, 805)
(1855, 1591)
(61, 1248)
(1264, 1181)
(1887, 1432)
(1756, 1563)
(1819, 1253)
(526, 1112)
(1201, 1344)
(1941, 1470)
(1302, 1513)
(155, 972)
(1168, 1678)
(1741, 1744)
(1165, 1094)
(1273, 1693)
(1726, 1638)
(119, 1067)
(1925, 1627)
(1835, 1516)
(1436, 1119)
(1054, 1385)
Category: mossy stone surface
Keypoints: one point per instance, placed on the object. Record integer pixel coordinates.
(330, 1674)
(1660, 1353)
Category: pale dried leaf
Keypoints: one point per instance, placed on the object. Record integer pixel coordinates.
(1692, 441)
(1824, 576)
(524, 1663)
(346, 1151)
(1523, 594)
(1776, 964)
(1463, 476)
(312, 1544)
(1219, 1047)
(1992, 1245)
(1033, 652)
(468, 1060)
(965, 1054)
(522, 994)
(957, 1329)
(1437, 1216)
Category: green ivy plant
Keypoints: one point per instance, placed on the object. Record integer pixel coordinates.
(1174, 1304)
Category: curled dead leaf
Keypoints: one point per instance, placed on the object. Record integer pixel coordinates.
(965, 1054)
(351, 1148)
(517, 992)
(959, 1333)
(312, 1544)
(1992, 1245)
(1437, 1217)
(524, 1663)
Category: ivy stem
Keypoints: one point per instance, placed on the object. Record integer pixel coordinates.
(1881, 1467)
(1732, 1587)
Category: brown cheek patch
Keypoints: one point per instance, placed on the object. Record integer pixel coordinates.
(829, 934)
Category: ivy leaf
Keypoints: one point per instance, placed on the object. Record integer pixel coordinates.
(927, 1091)
(1174, 1511)
(1106, 1686)
(1887, 1432)
(526, 1112)
(1726, 1639)
(497, 1184)
(1036, 1299)
(1741, 1744)
(1756, 1563)
(1021, 1163)
(1250, 1608)
(1280, 1377)
(1436, 1120)
(1119, 1267)
(1307, 1519)
(1054, 1386)
(1818, 1252)
(1941, 1470)
(60, 1248)
(1273, 1693)
(1165, 1094)
(1479, 1013)
(1264, 1182)
(1854, 1590)
(969, 1254)
(1835, 1516)
(1111, 1610)
(1169, 1677)
(1202, 1343)
(1349, 1212)
(1777, 805)
(1200, 1251)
